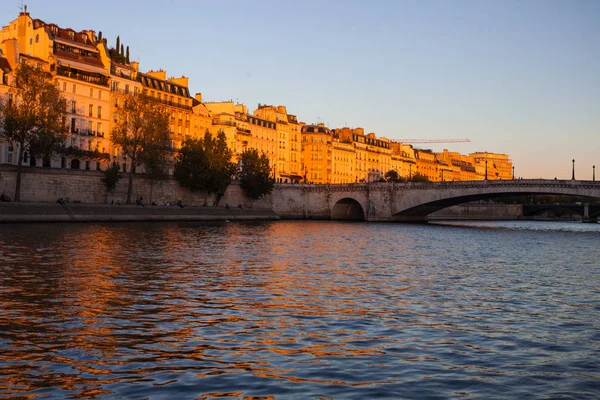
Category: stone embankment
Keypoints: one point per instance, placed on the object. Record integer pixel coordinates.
(83, 212)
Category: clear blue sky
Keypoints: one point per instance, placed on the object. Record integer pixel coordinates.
(516, 77)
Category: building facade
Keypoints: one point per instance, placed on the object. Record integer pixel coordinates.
(95, 80)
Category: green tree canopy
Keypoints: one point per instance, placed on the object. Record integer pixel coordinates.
(111, 177)
(34, 120)
(418, 177)
(393, 176)
(205, 164)
(142, 134)
(255, 174)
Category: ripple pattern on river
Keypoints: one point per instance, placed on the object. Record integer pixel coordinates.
(299, 310)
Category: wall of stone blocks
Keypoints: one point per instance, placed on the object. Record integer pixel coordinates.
(47, 185)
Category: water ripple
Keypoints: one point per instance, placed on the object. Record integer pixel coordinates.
(299, 310)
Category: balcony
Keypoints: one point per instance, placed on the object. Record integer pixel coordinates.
(89, 77)
(219, 122)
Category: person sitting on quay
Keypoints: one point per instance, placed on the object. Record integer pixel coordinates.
(4, 197)
(140, 201)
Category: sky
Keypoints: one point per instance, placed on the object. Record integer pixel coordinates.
(515, 77)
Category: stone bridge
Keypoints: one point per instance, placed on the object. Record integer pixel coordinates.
(408, 202)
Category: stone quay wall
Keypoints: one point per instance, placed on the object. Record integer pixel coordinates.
(80, 186)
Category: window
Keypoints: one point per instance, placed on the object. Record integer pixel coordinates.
(91, 92)
(99, 111)
(99, 129)
(91, 113)
(126, 89)
(37, 38)
(74, 88)
(64, 86)
(73, 107)
(99, 94)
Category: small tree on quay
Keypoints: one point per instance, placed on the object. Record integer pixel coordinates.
(142, 134)
(255, 174)
(205, 165)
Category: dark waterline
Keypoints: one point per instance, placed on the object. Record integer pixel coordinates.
(300, 310)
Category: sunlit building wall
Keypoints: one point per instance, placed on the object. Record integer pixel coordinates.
(316, 154)
(499, 166)
(403, 159)
(343, 160)
(81, 75)
(287, 163)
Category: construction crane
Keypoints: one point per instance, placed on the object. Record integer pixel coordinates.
(420, 141)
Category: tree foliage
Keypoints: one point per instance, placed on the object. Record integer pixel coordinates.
(205, 164)
(111, 178)
(142, 134)
(34, 120)
(255, 174)
(419, 178)
(393, 176)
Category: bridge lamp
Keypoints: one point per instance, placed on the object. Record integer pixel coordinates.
(486, 169)
(513, 172)
(573, 173)
(594, 173)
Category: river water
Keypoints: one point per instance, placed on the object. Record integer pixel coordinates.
(320, 310)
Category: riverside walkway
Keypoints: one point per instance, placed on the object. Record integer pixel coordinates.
(85, 212)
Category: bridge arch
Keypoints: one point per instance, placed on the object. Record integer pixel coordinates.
(348, 208)
(416, 204)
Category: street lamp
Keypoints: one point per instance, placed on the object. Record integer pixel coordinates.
(594, 173)
(513, 172)
(573, 174)
(486, 169)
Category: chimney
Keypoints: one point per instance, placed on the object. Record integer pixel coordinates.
(198, 97)
(160, 74)
(183, 81)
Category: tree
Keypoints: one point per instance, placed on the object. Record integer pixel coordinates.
(35, 120)
(118, 46)
(393, 176)
(100, 36)
(127, 55)
(111, 177)
(255, 174)
(122, 52)
(156, 169)
(205, 164)
(142, 133)
(419, 178)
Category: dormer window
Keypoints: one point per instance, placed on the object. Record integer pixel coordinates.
(71, 35)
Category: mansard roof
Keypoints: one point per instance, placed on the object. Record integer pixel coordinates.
(165, 86)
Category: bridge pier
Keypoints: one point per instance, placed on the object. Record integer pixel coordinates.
(586, 215)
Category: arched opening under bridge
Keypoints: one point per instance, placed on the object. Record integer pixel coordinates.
(348, 209)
